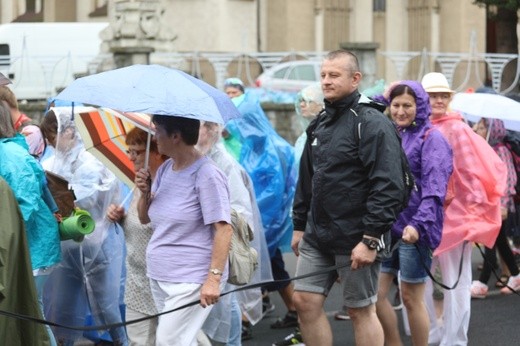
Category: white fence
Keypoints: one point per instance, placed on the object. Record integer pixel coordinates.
(473, 65)
(476, 66)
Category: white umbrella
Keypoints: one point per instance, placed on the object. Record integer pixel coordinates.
(476, 105)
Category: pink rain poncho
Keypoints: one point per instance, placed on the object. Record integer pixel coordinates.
(472, 207)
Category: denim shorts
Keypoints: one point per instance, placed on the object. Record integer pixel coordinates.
(410, 261)
(359, 287)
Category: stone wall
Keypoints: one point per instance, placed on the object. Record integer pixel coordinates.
(283, 118)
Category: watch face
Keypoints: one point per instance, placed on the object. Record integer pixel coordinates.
(372, 244)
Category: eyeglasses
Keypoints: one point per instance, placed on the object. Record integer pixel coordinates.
(134, 152)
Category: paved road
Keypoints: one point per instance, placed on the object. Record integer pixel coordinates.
(494, 320)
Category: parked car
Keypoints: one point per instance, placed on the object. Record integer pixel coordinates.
(291, 76)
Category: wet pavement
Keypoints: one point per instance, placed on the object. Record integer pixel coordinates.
(494, 320)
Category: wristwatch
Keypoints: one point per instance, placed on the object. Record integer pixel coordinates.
(216, 271)
(372, 244)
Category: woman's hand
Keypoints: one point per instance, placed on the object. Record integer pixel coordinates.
(410, 235)
(388, 90)
(210, 291)
(143, 181)
(503, 212)
(115, 213)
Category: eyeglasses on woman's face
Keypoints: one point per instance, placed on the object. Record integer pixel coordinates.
(135, 152)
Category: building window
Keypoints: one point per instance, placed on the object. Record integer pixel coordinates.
(379, 5)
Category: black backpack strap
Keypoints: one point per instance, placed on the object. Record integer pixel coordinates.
(364, 101)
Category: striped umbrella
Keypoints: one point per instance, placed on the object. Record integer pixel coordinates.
(104, 130)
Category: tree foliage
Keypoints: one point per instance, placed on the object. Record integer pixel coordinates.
(505, 4)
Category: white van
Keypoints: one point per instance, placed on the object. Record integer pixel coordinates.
(42, 58)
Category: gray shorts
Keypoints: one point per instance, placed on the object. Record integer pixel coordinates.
(359, 287)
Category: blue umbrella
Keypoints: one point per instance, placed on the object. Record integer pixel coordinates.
(152, 89)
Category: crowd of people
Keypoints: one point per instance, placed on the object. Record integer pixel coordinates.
(338, 197)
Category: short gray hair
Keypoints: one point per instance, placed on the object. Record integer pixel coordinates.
(353, 63)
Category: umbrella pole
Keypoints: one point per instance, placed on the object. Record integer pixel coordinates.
(148, 140)
(127, 197)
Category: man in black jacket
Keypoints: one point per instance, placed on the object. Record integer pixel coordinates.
(350, 191)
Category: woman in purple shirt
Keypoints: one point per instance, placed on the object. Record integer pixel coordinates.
(419, 226)
(188, 206)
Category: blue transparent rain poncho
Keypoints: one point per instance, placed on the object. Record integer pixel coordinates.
(87, 282)
(269, 161)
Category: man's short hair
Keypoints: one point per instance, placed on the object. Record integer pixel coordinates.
(353, 65)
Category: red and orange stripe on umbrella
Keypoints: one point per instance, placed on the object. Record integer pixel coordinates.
(104, 131)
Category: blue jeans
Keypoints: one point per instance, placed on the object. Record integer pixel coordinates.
(40, 280)
(235, 333)
(410, 260)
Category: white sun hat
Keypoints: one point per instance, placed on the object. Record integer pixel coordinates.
(435, 82)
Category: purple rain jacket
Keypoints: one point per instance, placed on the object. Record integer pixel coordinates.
(431, 162)
(496, 134)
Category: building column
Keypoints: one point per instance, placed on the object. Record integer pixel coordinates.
(366, 54)
(396, 35)
(361, 21)
(319, 26)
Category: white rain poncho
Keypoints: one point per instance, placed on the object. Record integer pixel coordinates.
(88, 280)
(313, 98)
(243, 200)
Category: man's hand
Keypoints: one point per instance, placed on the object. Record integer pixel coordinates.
(296, 238)
(362, 256)
(210, 291)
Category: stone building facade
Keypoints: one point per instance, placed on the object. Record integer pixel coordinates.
(243, 27)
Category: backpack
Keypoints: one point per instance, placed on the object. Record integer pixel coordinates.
(243, 259)
(512, 142)
(408, 179)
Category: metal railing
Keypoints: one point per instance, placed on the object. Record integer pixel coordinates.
(190, 62)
